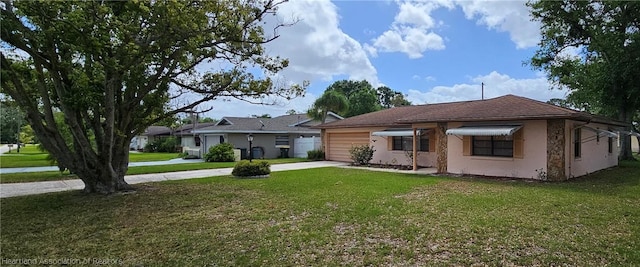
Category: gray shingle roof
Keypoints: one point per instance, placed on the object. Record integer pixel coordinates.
(281, 124)
(156, 130)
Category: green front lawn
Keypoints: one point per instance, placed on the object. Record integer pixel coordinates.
(335, 216)
(56, 175)
(155, 156)
(30, 156)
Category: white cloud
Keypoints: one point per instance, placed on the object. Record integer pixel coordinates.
(426, 78)
(504, 16)
(495, 84)
(236, 108)
(412, 29)
(370, 50)
(411, 32)
(316, 47)
(409, 40)
(318, 51)
(416, 14)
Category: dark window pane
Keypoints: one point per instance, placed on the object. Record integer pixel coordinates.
(503, 152)
(577, 145)
(424, 143)
(397, 143)
(482, 151)
(499, 146)
(407, 143)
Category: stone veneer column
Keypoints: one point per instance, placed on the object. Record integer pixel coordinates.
(556, 150)
(441, 147)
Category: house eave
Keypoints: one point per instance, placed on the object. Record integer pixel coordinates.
(254, 132)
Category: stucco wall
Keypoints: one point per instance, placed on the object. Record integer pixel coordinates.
(188, 141)
(266, 141)
(207, 141)
(595, 154)
(532, 165)
(383, 155)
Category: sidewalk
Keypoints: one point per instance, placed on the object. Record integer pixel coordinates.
(23, 189)
(131, 164)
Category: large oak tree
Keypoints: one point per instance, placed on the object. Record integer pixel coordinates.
(603, 76)
(113, 67)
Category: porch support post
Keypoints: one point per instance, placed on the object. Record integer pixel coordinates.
(415, 149)
(556, 150)
(441, 147)
(323, 145)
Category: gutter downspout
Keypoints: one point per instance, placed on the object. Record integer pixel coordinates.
(415, 150)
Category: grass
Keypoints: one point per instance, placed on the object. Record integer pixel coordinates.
(31, 156)
(334, 216)
(56, 175)
(156, 156)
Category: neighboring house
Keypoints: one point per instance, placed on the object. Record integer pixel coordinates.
(283, 136)
(150, 134)
(184, 133)
(507, 136)
(189, 139)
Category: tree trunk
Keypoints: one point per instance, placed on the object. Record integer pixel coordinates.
(103, 176)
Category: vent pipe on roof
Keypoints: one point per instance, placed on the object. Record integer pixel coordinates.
(482, 90)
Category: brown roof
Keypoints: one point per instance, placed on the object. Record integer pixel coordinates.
(508, 107)
(296, 123)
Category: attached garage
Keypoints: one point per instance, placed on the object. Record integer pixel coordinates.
(338, 144)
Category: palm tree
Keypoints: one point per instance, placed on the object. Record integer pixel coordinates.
(329, 101)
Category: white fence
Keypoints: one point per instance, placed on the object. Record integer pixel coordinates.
(304, 144)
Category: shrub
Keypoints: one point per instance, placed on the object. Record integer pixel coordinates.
(246, 168)
(361, 154)
(222, 152)
(168, 144)
(316, 154)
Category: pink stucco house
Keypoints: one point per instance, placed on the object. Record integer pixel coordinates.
(508, 136)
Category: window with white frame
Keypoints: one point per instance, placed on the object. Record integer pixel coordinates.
(282, 140)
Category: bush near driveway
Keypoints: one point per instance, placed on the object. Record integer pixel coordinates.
(361, 154)
(222, 152)
(247, 168)
(316, 154)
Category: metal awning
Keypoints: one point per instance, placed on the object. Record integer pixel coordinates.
(630, 133)
(607, 133)
(395, 133)
(484, 130)
(601, 132)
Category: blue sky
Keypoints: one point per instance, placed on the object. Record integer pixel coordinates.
(431, 51)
